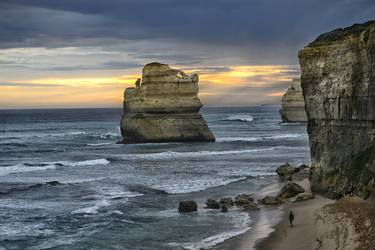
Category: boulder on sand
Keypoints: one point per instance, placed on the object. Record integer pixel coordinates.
(290, 189)
(243, 199)
(227, 201)
(286, 170)
(303, 197)
(212, 204)
(271, 200)
(187, 207)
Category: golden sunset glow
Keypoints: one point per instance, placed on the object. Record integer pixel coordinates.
(108, 90)
(243, 74)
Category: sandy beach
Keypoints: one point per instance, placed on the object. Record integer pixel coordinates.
(271, 228)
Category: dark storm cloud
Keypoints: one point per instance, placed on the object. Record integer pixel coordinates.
(286, 23)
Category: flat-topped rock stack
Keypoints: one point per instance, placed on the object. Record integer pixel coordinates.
(338, 81)
(164, 107)
(293, 104)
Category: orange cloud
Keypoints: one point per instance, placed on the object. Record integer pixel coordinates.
(108, 91)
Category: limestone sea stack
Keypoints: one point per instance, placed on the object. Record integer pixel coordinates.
(164, 107)
(338, 82)
(293, 104)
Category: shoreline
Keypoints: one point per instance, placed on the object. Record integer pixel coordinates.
(271, 228)
(262, 221)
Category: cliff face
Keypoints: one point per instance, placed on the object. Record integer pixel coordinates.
(293, 104)
(338, 82)
(163, 106)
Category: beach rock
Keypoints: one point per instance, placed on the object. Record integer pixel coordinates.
(224, 209)
(212, 204)
(286, 170)
(250, 207)
(293, 104)
(290, 189)
(302, 197)
(301, 174)
(187, 207)
(227, 201)
(163, 107)
(271, 200)
(338, 83)
(243, 199)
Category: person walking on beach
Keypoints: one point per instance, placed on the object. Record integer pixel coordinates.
(291, 218)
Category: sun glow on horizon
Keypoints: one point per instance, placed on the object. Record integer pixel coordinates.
(107, 91)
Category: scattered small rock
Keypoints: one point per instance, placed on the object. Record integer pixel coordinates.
(243, 199)
(187, 206)
(290, 189)
(212, 204)
(227, 201)
(224, 209)
(271, 200)
(302, 197)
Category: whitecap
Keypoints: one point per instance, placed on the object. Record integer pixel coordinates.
(261, 138)
(98, 144)
(92, 209)
(195, 185)
(109, 135)
(233, 139)
(241, 118)
(173, 154)
(21, 168)
(101, 161)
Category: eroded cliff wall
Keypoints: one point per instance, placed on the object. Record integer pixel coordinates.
(338, 82)
(163, 106)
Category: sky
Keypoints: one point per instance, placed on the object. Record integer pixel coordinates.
(84, 53)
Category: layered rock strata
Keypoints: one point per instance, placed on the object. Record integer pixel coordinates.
(163, 107)
(293, 104)
(338, 82)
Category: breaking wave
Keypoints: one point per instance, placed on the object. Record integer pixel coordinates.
(239, 118)
(173, 154)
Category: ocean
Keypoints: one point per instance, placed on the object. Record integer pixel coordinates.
(66, 184)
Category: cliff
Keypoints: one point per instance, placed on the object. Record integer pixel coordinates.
(338, 82)
(293, 104)
(163, 107)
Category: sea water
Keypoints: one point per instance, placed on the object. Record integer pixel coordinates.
(66, 184)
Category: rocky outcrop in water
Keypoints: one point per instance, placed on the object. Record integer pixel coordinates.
(293, 104)
(338, 82)
(163, 107)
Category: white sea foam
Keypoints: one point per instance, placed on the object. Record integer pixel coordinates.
(230, 139)
(109, 135)
(20, 168)
(173, 154)
(285, 136)
(29, 167)
(98, 144)
(194, 185)
(92, 209)
(82, 163)
(213, 240)
(105, 199)
(261, 138)
(17, 229)
(242, 118)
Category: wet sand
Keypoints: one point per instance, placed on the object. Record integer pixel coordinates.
(272, 231)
